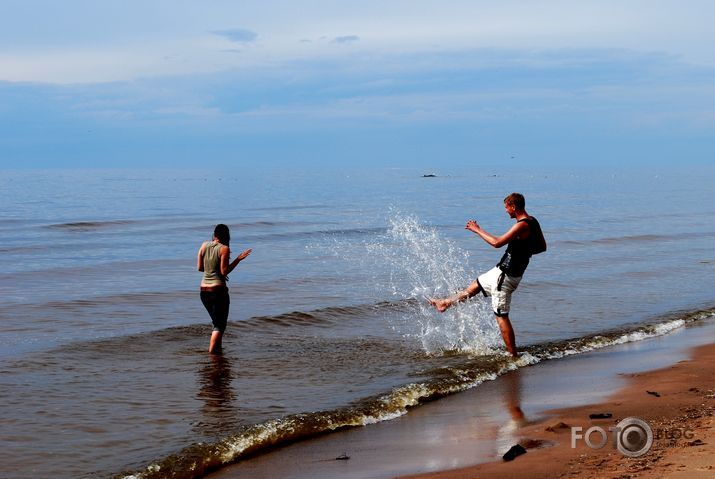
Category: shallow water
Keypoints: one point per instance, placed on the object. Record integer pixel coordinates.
(475, 426)
(102, 365)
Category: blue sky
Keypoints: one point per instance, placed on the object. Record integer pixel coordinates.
(329, 83)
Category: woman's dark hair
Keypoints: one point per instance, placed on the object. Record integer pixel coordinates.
(221, 232)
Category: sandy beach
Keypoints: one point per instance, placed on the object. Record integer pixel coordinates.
(464, 435)
(678, 402)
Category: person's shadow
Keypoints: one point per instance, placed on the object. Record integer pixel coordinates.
(214, 378)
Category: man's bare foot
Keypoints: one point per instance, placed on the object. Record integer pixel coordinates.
(440, 304)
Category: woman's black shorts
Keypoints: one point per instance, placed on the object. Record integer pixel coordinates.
(217, 303)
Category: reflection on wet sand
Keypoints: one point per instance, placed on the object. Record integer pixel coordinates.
(218, 409)
(507, 432)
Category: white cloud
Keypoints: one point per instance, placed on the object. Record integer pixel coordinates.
(240, 35)
(346, 39)
(190, 39)
(126, 62)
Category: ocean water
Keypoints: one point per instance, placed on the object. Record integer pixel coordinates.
(103, 369)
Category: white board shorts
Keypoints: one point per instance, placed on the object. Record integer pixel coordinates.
(501, 299)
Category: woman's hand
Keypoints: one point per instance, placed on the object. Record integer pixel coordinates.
(227, 268)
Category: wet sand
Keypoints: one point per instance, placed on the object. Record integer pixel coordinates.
(464, 435)
(678, 402)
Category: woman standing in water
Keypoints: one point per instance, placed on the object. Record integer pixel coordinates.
(213, 260)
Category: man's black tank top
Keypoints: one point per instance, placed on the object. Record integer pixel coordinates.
(517, 254)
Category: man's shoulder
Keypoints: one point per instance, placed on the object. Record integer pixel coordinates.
(529, 221)
(525, 222)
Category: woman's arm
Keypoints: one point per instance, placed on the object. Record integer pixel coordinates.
(227, 267)
(200, 259)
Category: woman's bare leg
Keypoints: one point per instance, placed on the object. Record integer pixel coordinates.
(215, 344)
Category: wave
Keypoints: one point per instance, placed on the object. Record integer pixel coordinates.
(11, 222)
(290, 208)
(142, 298)
(89, 225)
(199, 459)
(327, 233)
(645, 238)
(255, 224)
(321, 316)
(326, 316)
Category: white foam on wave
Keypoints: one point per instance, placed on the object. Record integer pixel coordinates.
(598, 342)
(658, 330)
(525, 359)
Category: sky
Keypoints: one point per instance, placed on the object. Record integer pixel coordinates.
(319, 83)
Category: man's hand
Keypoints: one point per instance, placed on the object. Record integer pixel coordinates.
(472, 226)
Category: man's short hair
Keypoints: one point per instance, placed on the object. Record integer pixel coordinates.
(516, 200)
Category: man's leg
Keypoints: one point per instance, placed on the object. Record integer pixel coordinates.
(442, 304)
(507, 333)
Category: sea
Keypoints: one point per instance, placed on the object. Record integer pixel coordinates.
(104, 370)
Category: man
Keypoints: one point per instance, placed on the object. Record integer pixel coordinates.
(523, 239)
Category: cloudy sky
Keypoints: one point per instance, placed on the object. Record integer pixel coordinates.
(334, 83)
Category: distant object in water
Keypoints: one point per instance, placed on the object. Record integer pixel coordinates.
(429, 175)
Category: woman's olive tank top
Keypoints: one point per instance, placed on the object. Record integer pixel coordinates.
(212, 264)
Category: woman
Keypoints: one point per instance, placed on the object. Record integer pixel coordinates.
(213, 260)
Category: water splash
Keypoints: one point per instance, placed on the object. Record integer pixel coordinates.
(423, 263)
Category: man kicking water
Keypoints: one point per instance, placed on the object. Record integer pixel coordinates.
(523, 240)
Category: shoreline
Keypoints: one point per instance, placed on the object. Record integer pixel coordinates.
(678, 402)
(460, 435)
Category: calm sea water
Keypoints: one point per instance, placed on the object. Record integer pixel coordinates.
(103, 370)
